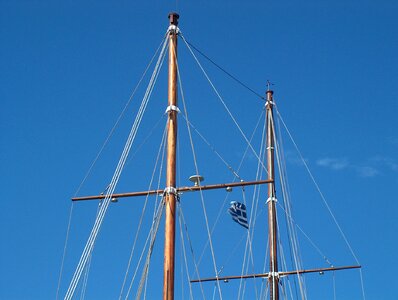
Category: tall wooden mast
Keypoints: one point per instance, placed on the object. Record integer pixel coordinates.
(273, 278)
(170, 196)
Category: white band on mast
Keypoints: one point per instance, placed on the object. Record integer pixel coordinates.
(173, 28)
(272, 199)
(172, 108)
(273, 274)
(170, 190)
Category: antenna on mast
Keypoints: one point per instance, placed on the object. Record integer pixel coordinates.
(269, 83)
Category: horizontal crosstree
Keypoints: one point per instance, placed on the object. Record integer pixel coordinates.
(280, 274)
(178, 189)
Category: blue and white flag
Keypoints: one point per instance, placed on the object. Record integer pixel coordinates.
(238, 213)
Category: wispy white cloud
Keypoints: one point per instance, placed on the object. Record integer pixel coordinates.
(367, 171)
(333, 163)
(293, 158)
(388, 162)
(372, 167)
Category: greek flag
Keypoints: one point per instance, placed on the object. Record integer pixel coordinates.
(238, 213)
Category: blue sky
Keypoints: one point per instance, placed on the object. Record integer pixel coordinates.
(68, 68)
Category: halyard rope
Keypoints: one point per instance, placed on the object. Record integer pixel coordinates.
(98, 222)
(161, 147)
(222, 101)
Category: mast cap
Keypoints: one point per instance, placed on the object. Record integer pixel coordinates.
(173, 17)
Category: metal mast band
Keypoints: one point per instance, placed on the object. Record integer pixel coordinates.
(172, 108)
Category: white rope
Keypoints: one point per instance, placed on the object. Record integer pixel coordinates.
(155, 212)
(250, 257)
(319, 190)
(88, 266)
(192, 252)
(85, 279)
(264, 280)
(139, 261)
(320, 252)
(324, 201)
(110, 191)
(293, 235)
(64, 251)
(222, 101)
(286, 195)
(197, 172)
(229, 167)
(157, 196)
(184, 253)
(250, 254)
(148, 239)
(96, 159)
(161, 147)
(222, 209)
(93, 235)
(154, 232)
(284, 267)
(254, 206)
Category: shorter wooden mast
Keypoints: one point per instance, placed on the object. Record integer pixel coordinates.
(274, 274)
(273, 278)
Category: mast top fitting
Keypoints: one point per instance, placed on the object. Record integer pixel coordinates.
(173, 17)
(270, 93)
(269, 83)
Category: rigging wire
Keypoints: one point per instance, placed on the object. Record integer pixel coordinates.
(318, 189)
(320, 252)
(256, 197)
(85, 278)
(285, 192)
(145, 140)
(225, 71)
(250, 254)
(293, 240)
(93, 235)
(64, 251)
(245, 267)
(197, 172)
(161, 147)
(148, 239)
(158, 186)
(163, 143)
(182, 244)
(150, 250)
(192, 252)
(284, 267)
(179, 212)
(323, 199)
(233, 171)
(221, 210)
(264, 280)
(221, 99)
(96, 159)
